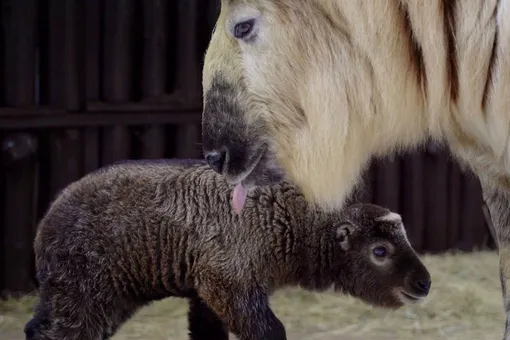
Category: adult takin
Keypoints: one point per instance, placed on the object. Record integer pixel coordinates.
(312, 90)
(140, 231)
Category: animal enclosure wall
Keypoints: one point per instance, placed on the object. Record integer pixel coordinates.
(86, 83)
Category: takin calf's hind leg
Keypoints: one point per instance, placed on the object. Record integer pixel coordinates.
(203, 323)
(63, 314)
(498, 203)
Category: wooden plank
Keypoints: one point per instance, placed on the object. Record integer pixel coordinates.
(436, 205)
(472, 217)
(19, 22)
(213, 11)
(118, 22)
(364, 192)
(188, 72)
(207, 17)
(387, 183)
(413, 199)
(93, 50)
(66, 49)
(152, 140)
(101, 119)
(98, 108)
(66, 87)
(454, 204)
(93, 81)
(154, 71)
(187, 142)
(19, 33)
(155, 48)
(20, 204)
(2, 68)
(2, 209)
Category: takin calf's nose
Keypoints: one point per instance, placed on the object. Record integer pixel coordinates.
(422, 286)
(216, 159)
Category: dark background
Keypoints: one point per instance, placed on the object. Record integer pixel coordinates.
(84, 83)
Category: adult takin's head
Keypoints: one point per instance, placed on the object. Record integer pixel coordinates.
(376, 262)
(290, 91)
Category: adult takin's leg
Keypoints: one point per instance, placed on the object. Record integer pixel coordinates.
(245, 311)
(203, 323)
(498, 204)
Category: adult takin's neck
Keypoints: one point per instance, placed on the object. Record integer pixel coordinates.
(366, 99)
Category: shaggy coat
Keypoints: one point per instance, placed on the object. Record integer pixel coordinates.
(312, 90)
(137, 232)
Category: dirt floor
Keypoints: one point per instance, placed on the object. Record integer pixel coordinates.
(465, 303)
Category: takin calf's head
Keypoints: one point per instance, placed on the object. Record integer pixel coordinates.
(376, 261)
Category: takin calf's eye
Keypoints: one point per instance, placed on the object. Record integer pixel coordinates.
(244, 28)
(380, 251)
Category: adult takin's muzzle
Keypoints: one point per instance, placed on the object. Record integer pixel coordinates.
(233, 138)
(233, 145)
(224, 132)
(216, 159)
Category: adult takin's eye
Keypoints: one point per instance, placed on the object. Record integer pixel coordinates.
(243, 29)
(380, 251)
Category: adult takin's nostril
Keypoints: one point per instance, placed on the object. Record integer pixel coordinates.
(216, 160)
(422, 286)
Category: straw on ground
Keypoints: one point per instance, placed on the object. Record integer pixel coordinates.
(465, 303)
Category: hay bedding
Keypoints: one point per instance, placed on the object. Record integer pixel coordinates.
(465, 303)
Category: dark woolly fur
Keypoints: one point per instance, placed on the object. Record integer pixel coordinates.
(139, 231)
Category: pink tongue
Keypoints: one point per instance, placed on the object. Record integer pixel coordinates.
(238, 198)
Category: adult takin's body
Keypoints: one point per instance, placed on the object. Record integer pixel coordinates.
(140, 231)
(312, 90)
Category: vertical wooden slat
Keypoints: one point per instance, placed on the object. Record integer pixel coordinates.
(3, 192)
(119, 20)
(154, 70)
(413, 203)
(19, 29)
(155, 47)
(472, 218)
(188, 73)
(364, 192)
(92, 81)
(66, 87)
(66, 50)
(207, 17)
(387, 183)
(436, 170)
(188, 137)
(454, 204)
(212, 14)
(19, 18)
(2, 58)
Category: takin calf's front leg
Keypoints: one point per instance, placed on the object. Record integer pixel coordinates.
(245, 311)
(498, 203)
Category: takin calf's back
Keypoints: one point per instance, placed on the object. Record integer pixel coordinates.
(137, 232)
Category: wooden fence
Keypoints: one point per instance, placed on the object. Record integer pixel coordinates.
(86, 83)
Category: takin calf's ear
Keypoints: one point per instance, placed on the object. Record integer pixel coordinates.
(342, 235)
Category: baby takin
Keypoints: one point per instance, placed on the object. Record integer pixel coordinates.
(140, 231)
